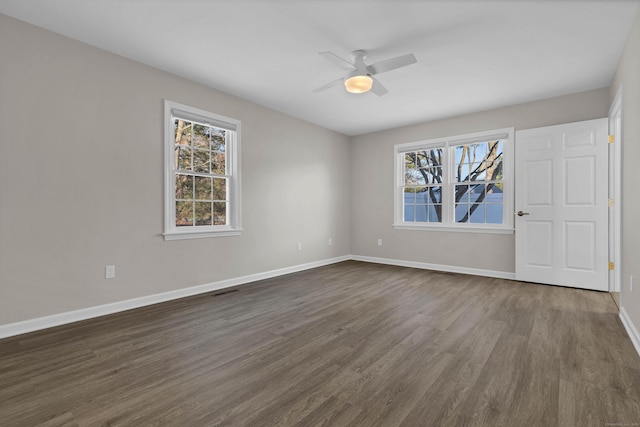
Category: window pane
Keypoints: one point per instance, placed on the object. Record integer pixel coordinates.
(218, 151)
(409, 213)
(462, 212)
(183, 158)
(201, 160)
(435, 195)
(476, 155)
(422, 213)
(461, 154)
(219, 189)
(413, 177)
(494, 193)
(477, 193)
(201, 136)
(497, 147)
(436, 174)
(462, 172)
(182, 132)
(435, 213)
(477, 213)
(184, 214)
(203, 188)
(462, 193)
(219, 213)
(203, 213)
(494, 214)
(184, 186)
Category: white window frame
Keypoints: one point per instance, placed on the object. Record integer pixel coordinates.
(448, 212)
(233, 228)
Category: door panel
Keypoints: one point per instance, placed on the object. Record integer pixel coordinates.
(539, 178)
(580, 238)
(580, 181)
(561, 189)
(539, 243)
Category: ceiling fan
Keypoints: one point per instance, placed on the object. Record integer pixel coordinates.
(360, 78)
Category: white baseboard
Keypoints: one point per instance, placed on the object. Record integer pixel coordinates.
(45, 322)
(631, 329)
(436, 267)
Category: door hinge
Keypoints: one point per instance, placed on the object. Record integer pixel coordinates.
(610, 203)
(611, 265)
(611, 139)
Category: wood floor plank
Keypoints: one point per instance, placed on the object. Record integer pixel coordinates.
(452, 386)
(350, 344)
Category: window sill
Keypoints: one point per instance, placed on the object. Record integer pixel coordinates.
(486, 230)
(201, 234)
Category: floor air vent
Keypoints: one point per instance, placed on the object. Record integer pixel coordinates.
(230, 291)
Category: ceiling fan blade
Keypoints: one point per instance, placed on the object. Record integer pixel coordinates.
(328, 85)
(392, 64)
(342, 63)
(378, 89)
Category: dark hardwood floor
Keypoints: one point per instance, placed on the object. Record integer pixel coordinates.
(348, 344)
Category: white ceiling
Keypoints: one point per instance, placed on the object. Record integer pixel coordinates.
(472, 55)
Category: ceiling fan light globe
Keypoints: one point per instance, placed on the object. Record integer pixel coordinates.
(358, 84)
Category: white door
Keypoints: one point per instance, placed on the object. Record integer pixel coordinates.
(561, 204)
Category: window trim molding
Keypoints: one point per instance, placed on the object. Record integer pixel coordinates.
(234, 228)
(448, 224)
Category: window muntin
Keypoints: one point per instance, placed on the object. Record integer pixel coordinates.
(202, 173)
(456, 183)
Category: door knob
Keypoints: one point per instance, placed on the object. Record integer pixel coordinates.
(520, 213)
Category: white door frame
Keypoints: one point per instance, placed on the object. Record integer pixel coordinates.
(615, 193)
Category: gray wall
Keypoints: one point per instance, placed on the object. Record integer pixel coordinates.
(81, 181)
(372, 184)
(628, 75)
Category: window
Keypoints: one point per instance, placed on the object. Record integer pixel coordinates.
(202, 183)
(461, 183)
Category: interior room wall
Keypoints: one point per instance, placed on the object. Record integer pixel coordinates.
(628, 75)
(372, 185)
(81, 181)
(81, 175)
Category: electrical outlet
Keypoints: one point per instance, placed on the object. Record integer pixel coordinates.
(330, 241)
(379, 242)
(110, 272)
(299, 246)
